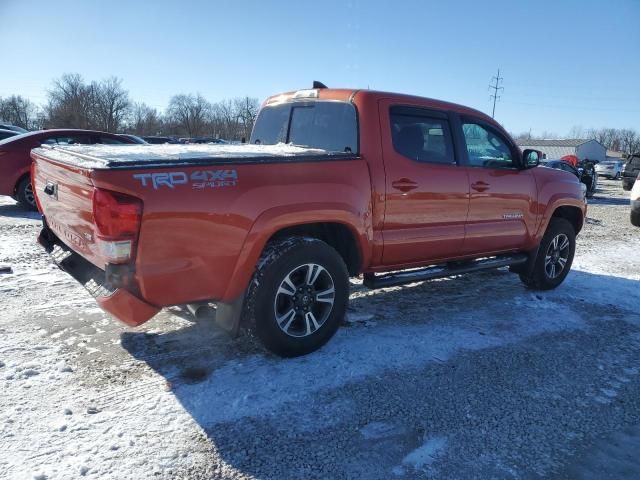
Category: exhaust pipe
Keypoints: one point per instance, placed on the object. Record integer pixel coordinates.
(202, 310)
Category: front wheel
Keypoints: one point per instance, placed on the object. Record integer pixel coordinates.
(554, 258)
(298, 296)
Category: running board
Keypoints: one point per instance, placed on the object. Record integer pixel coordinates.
(372, 280)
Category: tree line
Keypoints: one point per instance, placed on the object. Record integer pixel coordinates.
(106, 105)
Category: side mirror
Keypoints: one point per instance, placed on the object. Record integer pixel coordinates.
(531, 158)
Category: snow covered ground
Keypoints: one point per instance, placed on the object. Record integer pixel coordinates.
(472, 377)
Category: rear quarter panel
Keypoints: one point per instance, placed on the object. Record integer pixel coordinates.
(203, 243)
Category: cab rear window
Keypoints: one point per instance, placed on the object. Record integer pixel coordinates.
(327, 125)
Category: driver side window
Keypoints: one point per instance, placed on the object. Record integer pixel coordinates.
(487, 148)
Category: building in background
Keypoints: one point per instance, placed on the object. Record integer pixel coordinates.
(555, 149)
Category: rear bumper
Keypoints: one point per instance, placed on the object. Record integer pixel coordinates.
(118, 302)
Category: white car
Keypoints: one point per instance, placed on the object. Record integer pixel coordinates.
(610, 169)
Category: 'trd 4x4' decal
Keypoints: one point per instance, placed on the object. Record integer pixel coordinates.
(200, 179)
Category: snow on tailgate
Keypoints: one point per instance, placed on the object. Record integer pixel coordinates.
(105, 156)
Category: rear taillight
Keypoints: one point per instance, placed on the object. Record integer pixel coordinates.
(117, 217)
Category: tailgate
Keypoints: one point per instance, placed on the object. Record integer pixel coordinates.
(65, 195)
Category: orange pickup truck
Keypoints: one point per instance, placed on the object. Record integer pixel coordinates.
(333, 184)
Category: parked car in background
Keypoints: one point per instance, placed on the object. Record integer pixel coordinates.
(15, 159)
(133, 138)
(334, 183)
(562, 165)
(631, 171)
(635, 203)
(200, 140)
(7, 133)
(159, 140)
(610, 169)
(8, 126)
(585, 173)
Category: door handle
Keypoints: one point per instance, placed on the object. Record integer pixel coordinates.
(480, 186)
(404, 184)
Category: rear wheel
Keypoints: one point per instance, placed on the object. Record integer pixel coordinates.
(298, 296)
(554, 258)
(24, 194)
(635, 218)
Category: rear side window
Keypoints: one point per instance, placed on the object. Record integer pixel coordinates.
(69, 140)
(271, 125)
(422, 136)
(111, 141)
(327, 125)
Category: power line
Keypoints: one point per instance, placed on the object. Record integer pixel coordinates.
(495, 86)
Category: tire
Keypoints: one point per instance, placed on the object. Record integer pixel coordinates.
(635, 218)
(544, 276)
(296, 320)
(591, 188)
(24, 194)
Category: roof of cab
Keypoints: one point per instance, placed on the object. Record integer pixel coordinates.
(345, 94)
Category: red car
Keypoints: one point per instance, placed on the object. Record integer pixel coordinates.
(15, 159)
(334, 183)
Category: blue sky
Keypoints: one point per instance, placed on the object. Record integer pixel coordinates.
(564, 63)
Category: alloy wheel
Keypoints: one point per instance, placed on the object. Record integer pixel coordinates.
(304, 300)
(29, 196)
(557, 256)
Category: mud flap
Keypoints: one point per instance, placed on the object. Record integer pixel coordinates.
(526, 268)
(228, 315)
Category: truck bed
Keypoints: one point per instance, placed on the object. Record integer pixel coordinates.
(204, 208)
(97, 157)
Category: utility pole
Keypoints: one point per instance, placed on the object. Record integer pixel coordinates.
(495, 86)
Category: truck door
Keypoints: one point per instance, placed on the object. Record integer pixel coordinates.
(502, 205)
(427, 192)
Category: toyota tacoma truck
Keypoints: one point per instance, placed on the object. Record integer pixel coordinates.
(333, 184)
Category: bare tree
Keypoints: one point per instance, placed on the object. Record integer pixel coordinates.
(110, 104)
(190, 112)
(19, 111)
(246, 111)
(145, 120)
(227, 117)
(70, 103)
(629, 140)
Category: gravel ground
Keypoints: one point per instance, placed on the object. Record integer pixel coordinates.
(472, 377)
